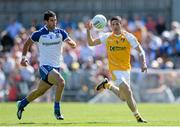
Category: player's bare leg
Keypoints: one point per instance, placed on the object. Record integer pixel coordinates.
(41, 89)
(55, 78)
(105, 84)
(124, 92)
(116, 91)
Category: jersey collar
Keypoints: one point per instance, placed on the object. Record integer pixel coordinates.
(49, 30)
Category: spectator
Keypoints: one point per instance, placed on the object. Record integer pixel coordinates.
(85, 52)
(150, 24)
(75, 77)
(2, 82)
(13, 28)
(69, 56)
(7, 42)
(161, 25)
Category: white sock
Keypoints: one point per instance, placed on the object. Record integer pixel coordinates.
(135, 113)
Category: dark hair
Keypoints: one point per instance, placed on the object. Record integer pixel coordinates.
(49, 14)
(118, 18)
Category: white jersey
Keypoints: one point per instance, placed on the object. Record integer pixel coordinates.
(50, 45)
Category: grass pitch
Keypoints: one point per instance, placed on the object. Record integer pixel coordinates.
(83, 114)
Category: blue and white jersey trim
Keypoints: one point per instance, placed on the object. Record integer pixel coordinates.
(50, 45)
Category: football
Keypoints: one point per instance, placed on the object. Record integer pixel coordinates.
(99, 21)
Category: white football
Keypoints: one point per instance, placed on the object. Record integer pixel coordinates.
(99, 21)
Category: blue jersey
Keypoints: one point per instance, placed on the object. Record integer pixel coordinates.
(50, 45)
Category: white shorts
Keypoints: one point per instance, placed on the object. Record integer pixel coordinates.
(121, 76)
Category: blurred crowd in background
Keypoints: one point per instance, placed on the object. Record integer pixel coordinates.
(85, 66)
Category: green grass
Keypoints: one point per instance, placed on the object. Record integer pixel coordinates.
(83, 114)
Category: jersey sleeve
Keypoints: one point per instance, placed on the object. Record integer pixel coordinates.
(64, 35)
(104, 37)
(132, 40)
(35, 37)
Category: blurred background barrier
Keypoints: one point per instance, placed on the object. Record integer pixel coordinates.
(157, 85)
(160, 86)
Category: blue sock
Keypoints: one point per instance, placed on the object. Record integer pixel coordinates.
(56, 106)
(24, 103)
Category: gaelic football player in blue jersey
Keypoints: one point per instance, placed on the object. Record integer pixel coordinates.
(49, 40)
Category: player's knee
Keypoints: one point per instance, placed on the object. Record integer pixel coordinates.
(121, 96)
(61, 82)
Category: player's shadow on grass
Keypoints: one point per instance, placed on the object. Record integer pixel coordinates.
(27, 123)
(73, 123)
(16, 124)
(35, 123)
(67, 123)
(76, 123)
(63, 123)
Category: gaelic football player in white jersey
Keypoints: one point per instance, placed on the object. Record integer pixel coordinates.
(49, 40)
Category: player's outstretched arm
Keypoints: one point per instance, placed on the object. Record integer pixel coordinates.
(71, 42)
(27, 45)
(142, 58)
(90, 40)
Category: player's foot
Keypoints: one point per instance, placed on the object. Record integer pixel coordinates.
(140, 119)
(101, 85)
(20, 110)
(58, 115)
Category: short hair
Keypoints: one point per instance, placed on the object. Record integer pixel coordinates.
(49, 14)
(118, 18)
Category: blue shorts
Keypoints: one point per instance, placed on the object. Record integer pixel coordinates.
(44, 71)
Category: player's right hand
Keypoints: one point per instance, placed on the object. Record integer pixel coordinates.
(88, 25)
(24, 62)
